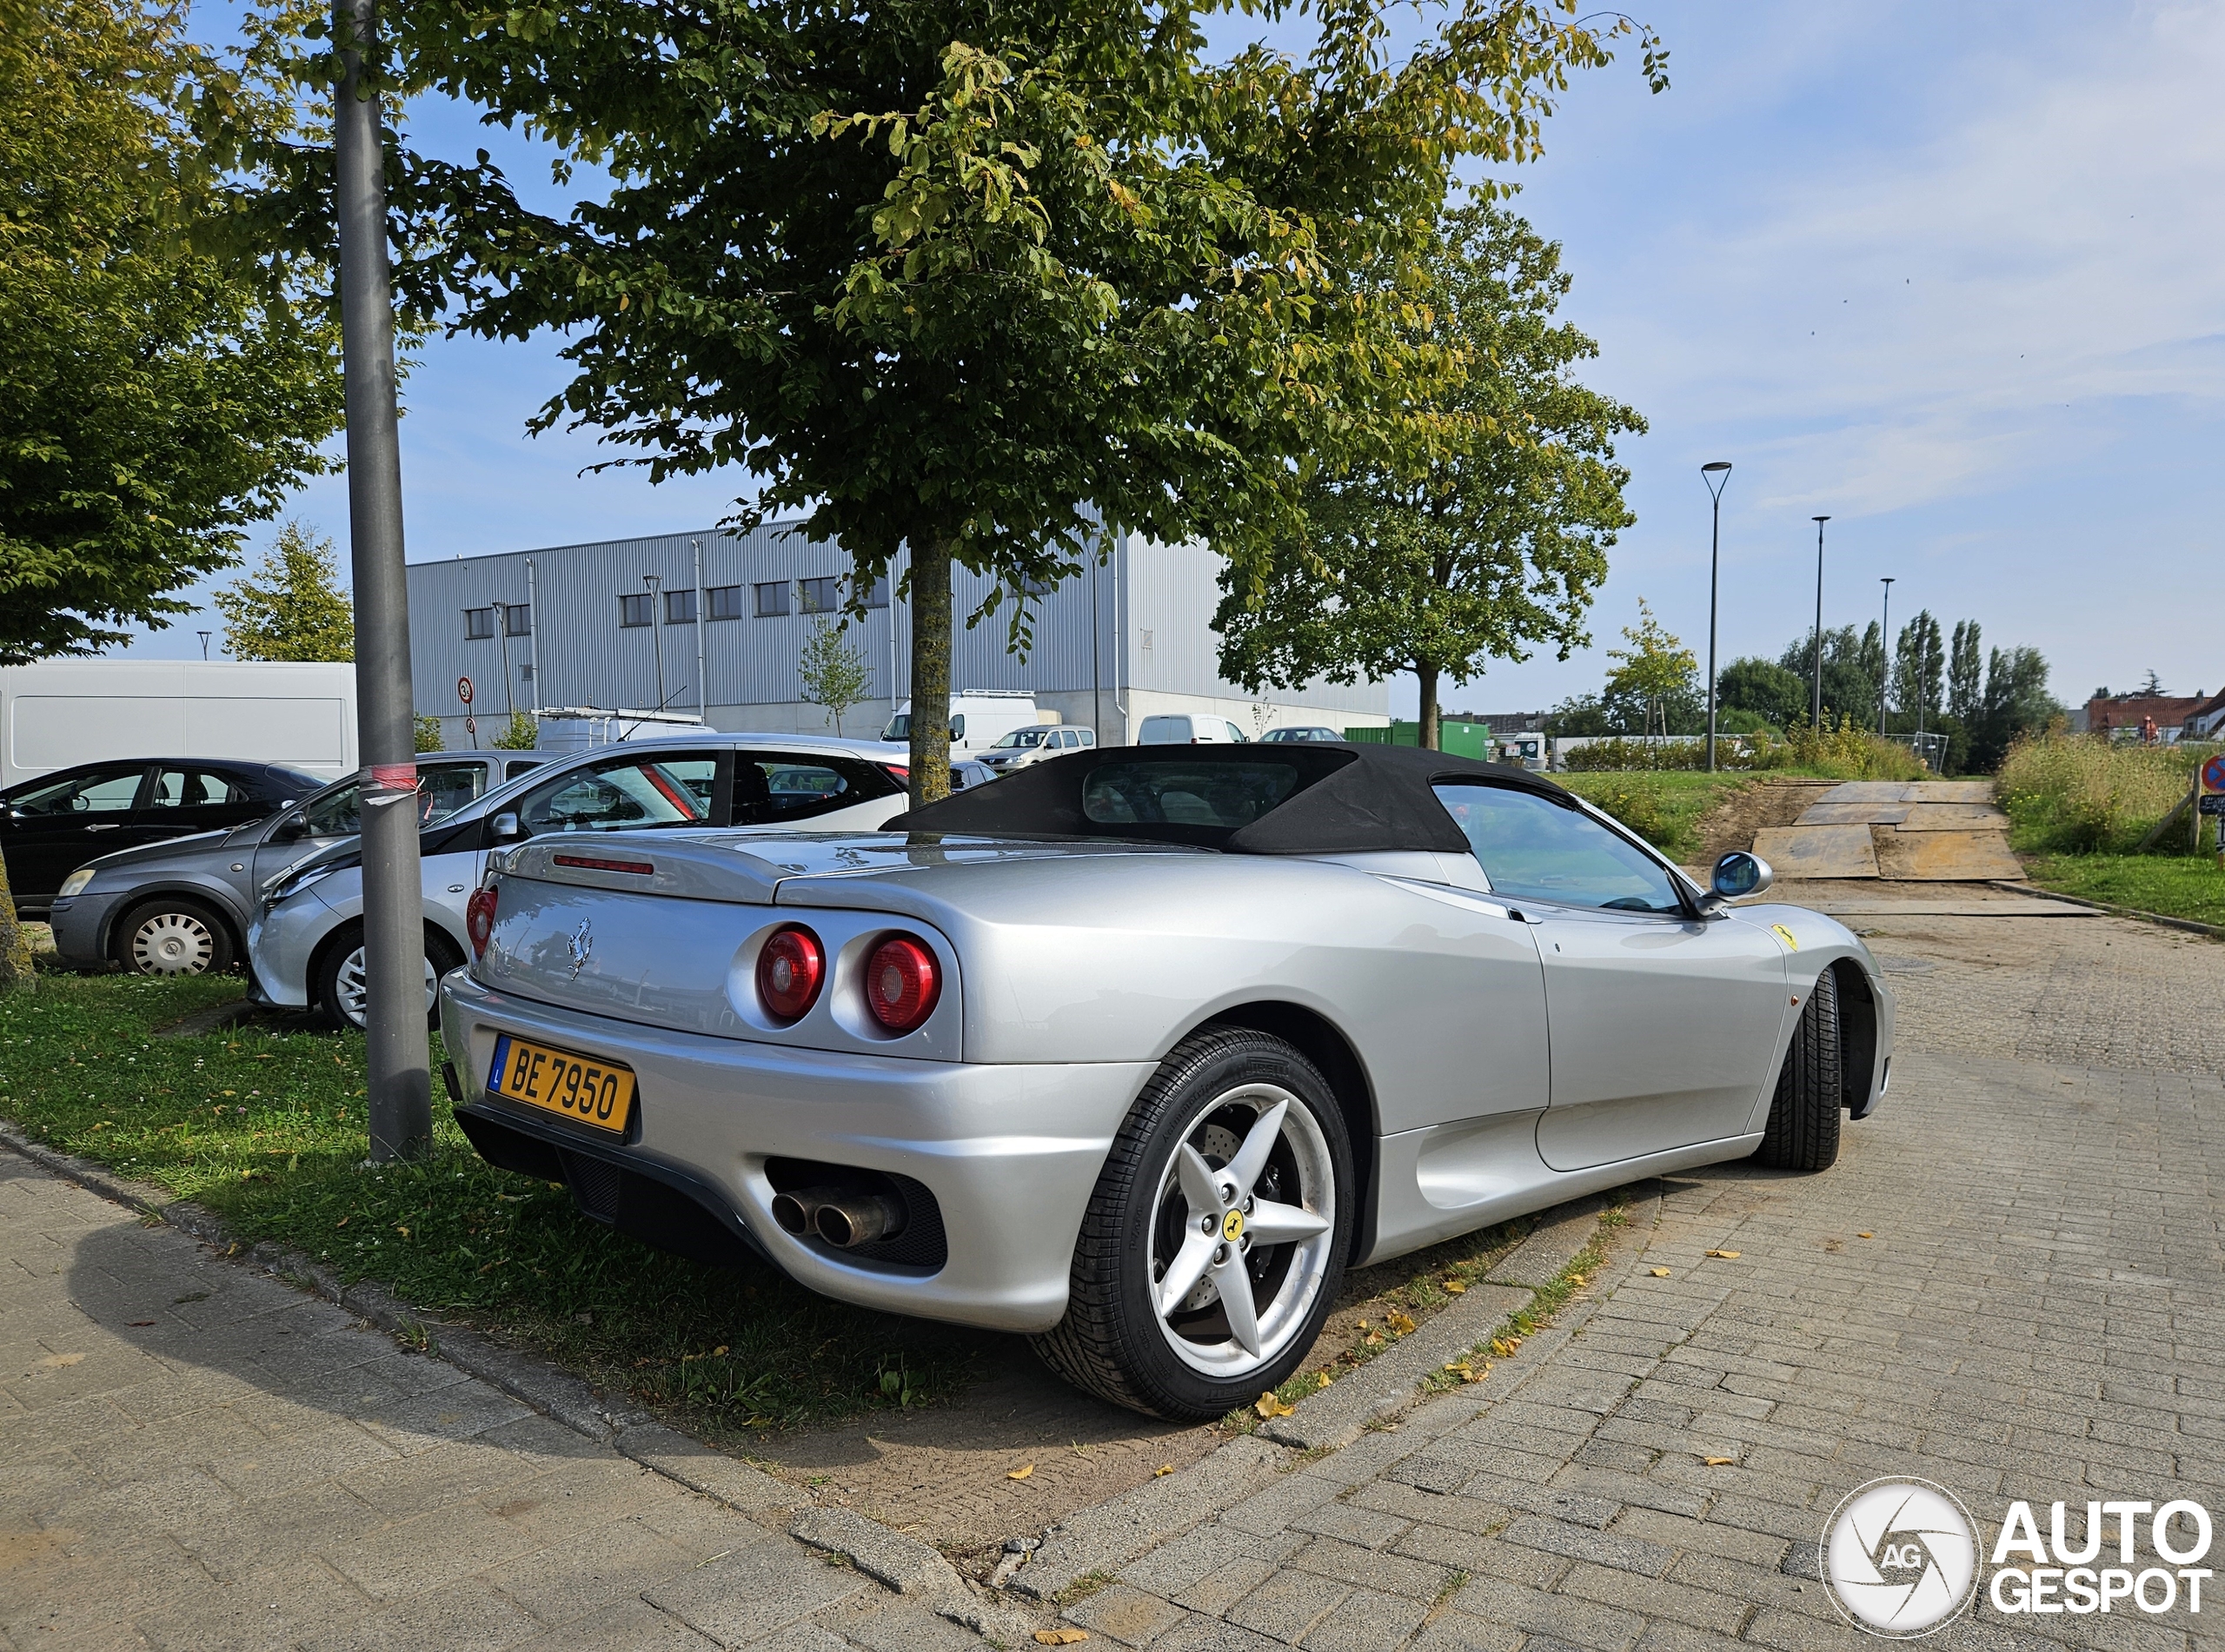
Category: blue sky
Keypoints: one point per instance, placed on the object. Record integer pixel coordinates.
(1954, 274)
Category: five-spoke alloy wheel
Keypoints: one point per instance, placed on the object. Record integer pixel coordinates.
(1213, 1248)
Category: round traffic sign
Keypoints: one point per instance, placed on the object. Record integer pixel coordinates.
(463, 689)
(2213, 774)
(471, 730)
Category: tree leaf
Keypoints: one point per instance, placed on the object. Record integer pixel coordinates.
(1020, 1473)
(1268, 1406)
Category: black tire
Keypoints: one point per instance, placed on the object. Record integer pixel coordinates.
(174, 935)
(334, 996)
(1802, 1132)
(1112, 1342)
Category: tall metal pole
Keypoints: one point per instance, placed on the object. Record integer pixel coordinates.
(533, 632)
(399, 1091)
(509, 698)
(1717, 476)
(1819, 715)
(656, 633)
(702, 678)
(1884, 653)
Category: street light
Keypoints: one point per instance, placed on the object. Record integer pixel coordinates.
(656, 634)
(1884, 652)
(1715, 476)
(204, 644)
(1818, 717)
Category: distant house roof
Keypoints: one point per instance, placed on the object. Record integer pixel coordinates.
(2107, 712)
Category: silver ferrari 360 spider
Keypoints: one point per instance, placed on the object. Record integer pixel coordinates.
(1137, 1050)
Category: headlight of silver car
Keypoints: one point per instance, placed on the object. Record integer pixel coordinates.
(286, 888)
(75, 883)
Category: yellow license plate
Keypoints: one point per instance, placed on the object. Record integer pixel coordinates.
(595, 1092)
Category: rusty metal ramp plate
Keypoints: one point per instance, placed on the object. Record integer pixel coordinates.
(1946, 817)
(1947, 792)
(1944, 857)
(1854, 814)
(1867, 791)
(1818, 851)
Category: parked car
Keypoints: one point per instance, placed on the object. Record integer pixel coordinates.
(183, 906)
(979, 719)
(306, 942)
(1302, 733)
(1180, 729)
(1136, 1050)
(51, 826)
(1025, 745)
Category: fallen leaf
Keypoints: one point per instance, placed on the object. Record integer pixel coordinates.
(402, 1230)
(1505, 1346)
(718, 1352)
(1718, 1462)
(1658, 1273)
(1728, 1255)
(1865, 1235)
(1374, 1339)
(1021, 1473)
(1403, 1324)
(1060, 1637)
(1162, 1471)
(1456, 1286)
(1577, 1279)
(341, 1222)
(1268, 1406)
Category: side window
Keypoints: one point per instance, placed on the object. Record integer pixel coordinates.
(769, 789)
(624, 795)
(105, 791)
(1530, 846)
(333, 815)
(957, 727)
(195, 788)
(444, 788)
(518, 765)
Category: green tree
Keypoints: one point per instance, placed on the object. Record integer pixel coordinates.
(1919, 665)
(1850, 671)
(833, 671)
(155, 398)
(428, 734)
(1766, 689)
(292, 608)
(1482, 536)
(964, 280)
(1965, 672)
(521, 733)
(1657, 672)
(2016, 703)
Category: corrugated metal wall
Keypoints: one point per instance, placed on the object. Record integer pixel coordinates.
(1153, 607)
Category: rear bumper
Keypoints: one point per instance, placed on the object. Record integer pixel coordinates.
(1011, 1153)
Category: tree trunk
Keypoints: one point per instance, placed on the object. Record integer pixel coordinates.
(1432, 734)
(15, 944)
(931, 572)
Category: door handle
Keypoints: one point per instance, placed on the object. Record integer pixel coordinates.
(1521, 917)
(110, 826)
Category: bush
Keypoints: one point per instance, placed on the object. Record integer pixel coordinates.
(1601, 756)
(2074, 794)
(1845, 753)
(1642, 808)
(428, 734)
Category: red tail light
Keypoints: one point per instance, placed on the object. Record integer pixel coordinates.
(479, 919)
(789, 971)
(902, 984)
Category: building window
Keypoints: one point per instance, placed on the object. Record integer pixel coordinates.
(772, 599)
(517, 619)
(478, 624)
(819, 596)
(634, 607)
(724, 602)
(680, 607)
(1029, 586)
(878, 597)
(1146, 642)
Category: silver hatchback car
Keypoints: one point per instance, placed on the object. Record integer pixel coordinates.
(305, 946)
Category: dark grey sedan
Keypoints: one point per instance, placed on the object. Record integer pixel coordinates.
(182, 907)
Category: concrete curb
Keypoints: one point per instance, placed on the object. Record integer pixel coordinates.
(2213, 931)
(553, 1392)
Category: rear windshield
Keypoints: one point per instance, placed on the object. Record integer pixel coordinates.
(1227, 795)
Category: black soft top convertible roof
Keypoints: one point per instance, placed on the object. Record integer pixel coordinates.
(1334, 799)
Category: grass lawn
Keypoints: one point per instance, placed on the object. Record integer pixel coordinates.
(267, 1129)
(1661, 805)
(2175, 886)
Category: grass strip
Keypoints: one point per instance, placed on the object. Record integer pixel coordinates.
(1544, 1305)
(2188, 886)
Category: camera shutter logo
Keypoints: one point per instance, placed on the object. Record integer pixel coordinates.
(1901, 1557)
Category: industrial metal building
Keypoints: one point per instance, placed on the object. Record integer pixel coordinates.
(716, 622)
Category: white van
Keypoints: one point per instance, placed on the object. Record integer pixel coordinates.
(1187, 730)
(979, 719)
(59, 712)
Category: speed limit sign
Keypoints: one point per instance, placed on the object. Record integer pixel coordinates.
(463, 689)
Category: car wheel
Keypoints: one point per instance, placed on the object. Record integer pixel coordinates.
(1802, 1132)
(1215, 1243)
(344, 990)
(174, 936)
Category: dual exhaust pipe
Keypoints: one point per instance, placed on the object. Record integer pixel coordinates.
(845, 1216)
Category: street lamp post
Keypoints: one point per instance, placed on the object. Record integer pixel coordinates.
(1884, 652)
(204, 644)
(1716, 474)
(502, 624)
(1818, 719)
(656, 633)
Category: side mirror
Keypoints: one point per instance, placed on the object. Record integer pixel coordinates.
(506, 828)
(290, 830)
(1738, 874)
